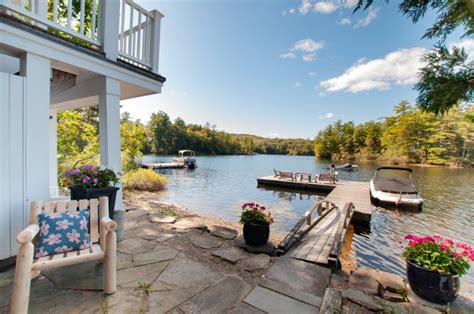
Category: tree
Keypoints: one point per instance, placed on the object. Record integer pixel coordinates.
(133, 138)
(448, 77)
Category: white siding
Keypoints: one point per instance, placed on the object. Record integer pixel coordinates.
(12, 198)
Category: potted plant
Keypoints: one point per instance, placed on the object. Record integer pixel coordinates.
(435, 265)
(89, 181)
(256, 223)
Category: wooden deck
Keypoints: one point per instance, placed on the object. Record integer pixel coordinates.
(340, 193)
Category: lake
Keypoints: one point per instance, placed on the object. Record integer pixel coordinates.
(221, 183)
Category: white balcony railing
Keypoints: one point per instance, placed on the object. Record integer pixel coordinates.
(121, 28)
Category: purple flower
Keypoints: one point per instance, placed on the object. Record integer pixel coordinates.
(94, 180)
(85, 180)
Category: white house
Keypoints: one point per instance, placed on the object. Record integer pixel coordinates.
(57, 55)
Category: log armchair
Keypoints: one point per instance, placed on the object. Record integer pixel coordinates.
(103, 248)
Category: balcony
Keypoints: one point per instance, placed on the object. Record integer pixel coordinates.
(120, 29)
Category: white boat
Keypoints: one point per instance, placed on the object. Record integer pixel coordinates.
(388, 188)
(186, 158)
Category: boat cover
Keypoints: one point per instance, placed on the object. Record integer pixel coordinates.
(394, 185)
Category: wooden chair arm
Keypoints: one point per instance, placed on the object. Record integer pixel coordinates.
(108, 224)
(28, 234)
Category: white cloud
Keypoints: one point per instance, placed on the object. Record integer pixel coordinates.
(307, 45)
(468, 45)
(305, 6)
(312, 73)
(365, 21)
(327, 115)
(288, 55)
(349, 3)
(309, 57)
(345, 21)
(298, 84)
(289, 11)
(324, 7)
(273, 134)
(307, 48)
(399, 67)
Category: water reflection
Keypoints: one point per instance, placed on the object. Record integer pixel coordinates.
(221, 183)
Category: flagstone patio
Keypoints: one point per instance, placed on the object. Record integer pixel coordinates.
(160, 268)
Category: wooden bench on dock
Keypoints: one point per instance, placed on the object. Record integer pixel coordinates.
(285, 175)
(319, 241)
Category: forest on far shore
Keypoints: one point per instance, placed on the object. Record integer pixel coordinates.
(409, 136)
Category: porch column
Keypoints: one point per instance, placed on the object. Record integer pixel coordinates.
(53, 153)
(156, 36)
(109, 129)
(37, 71)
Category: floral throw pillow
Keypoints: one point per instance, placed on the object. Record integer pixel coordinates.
(62, 232)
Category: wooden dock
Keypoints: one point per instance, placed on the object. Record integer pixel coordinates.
(164, 165)
(340, 193)
(323, 243)
(319, 241)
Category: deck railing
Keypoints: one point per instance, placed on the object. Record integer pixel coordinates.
(136, 30)
(89, 22)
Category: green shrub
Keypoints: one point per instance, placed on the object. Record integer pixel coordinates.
(143, 180)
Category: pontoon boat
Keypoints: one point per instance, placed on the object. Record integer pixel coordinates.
(186, 158)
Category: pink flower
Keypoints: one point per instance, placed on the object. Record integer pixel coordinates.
(409, 236)
(445, 247)
(63, 249)
(53, 239)
(83, 223)
(63, 224)
(437, 238)
(84, 245)
(448, 241)
(44, 229)
(73, 214)
(73, 236)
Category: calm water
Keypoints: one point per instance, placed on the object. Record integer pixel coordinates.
(221, 183)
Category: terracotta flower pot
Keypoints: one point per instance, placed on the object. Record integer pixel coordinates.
(431, 285)
(256, 234)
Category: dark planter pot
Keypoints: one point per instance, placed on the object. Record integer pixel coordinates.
(431, 285)
(80, 193)
(256, 234)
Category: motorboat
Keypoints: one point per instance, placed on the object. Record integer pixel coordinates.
(345, 167)
(186, 158)
(394, 186)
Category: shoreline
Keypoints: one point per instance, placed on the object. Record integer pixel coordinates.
(150, 201)
(349, 160)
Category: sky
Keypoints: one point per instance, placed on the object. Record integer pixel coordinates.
(284, 68)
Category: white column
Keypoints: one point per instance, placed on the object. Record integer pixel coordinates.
(155, 40)
(37, 71)
(53, 154)
(109, 129)
(109, 18)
